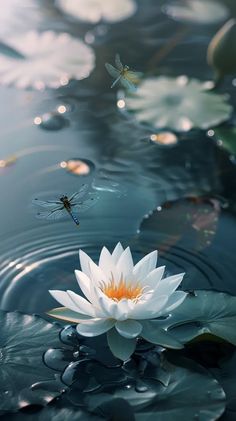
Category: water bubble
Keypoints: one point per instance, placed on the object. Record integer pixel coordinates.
(210, 133)
(50, 121)
(141, 387)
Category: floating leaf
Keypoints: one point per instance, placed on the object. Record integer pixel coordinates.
(191, 392)
(48, 59)
(197, 11)
(96, 10)
(221, 53)
(226, 137)
(205, 312)
(179, 104)
(54, 414)
(23, 340)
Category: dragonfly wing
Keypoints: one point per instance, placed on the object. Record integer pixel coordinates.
(135, 76)
(46, 203)
(128, 84)
(80, 193)
(52, 215)
(112, 70)
(86, 204)
(119, 65)
(116, 81)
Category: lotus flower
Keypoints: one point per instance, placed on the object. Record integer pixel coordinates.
(121, 299)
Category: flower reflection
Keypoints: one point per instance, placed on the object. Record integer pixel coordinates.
(164, 138)
(76, 166)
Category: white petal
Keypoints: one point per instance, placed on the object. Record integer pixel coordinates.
(107, 265)
(120, 347)
(82, 305)
(98, 277)
(174, 301)
(84, 283)
(168, 285)
(153, 278)
(128, 328)
(85, 262)
(64, 299)
(148, 309)
(95, 327)
(145, 265)
(117, 252)
(125, 264)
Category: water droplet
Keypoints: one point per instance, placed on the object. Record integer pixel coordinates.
(50, 121)
(57, 359)
(76, 354)
(121, 104)
(69, 336)
(128, 386)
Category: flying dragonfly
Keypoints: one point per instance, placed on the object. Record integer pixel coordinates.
(73, 205)
(123, 75)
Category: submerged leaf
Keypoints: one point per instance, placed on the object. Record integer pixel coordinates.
(206, 312)
(23, 340)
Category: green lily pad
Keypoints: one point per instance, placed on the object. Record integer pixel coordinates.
(205, 313)
(226, 137)
(23, 340)
(192, 393)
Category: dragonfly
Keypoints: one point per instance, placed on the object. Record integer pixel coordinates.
(72, 205)
(123, 75)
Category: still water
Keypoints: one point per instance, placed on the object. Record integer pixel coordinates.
(178, 198)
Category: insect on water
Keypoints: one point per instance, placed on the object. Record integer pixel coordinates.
(123, 75)
(63, 205)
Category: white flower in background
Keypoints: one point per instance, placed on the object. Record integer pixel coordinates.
(121, 299)
(44, 59)
(202, 12)
(178, 103)
(95, 11)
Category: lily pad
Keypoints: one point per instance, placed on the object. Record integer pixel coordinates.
(203, 313)
(190, 394)
(45, 59)
(226, 137)
(179, 104)
(54, 414)
(96, 10)
(197, 11)
(23, 340)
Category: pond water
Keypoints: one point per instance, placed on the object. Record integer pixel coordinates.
(178, 198)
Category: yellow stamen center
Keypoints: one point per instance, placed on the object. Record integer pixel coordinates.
(122, 289)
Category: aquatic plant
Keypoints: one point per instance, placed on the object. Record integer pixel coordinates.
(121, 299)
(46, 59)
(180, 104)
(96, 10)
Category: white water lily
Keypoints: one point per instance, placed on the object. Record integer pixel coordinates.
(98, 10)
(121, 299)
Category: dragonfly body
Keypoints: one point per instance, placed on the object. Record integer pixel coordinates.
(123, 75)
(67, 205)
(73, 205)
